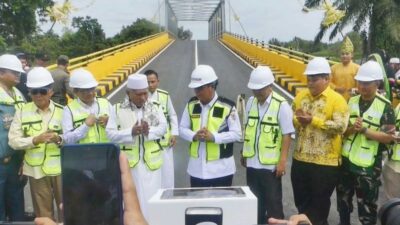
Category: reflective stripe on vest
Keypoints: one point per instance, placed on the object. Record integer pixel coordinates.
(96, 133)
(6, 99)
(152, 149)
(217, 115)
(163, 100)
(45, 155)
(269, 142)
(396, 148)
(360, 150)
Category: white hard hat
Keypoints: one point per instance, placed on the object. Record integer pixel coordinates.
(11, 62)
(137, 82)
(82, 78)
(202, 75)
(38, 77)
(394, 60)
(369, 71)
(260, 77)
(317, 65)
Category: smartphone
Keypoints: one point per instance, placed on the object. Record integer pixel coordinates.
(91, 184)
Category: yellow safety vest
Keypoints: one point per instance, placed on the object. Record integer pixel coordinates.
(269, 142)
(45, 155)
(96, 133)
(5, 99)
(217, 116)
(8, 106)
(152, 149)
(360, 150)
(163, 100)
(396, 148)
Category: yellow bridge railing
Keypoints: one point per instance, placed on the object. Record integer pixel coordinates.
(288, 65)
(113, 65)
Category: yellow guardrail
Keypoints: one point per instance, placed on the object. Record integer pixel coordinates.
(112, 66)
(288, 61)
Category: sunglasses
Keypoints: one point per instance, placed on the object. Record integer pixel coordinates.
(42, 91)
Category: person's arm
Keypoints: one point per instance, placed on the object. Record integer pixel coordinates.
(68, 89)
(157, 132)
(234, 133)
(338, 123)
(71, 135)
(173, 118)
(185, 131)
(118, 136)
(16, 138)
(285, 122)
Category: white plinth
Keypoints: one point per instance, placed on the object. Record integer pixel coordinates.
(167, 207)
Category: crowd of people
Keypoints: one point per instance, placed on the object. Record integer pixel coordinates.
(343, 127)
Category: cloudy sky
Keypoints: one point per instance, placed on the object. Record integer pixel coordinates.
(262, 19)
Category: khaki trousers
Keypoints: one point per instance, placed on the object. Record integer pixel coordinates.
(44, 191)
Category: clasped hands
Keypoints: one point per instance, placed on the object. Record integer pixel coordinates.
(47, 137)
(140, 128)
(303, 117)
(203, 135)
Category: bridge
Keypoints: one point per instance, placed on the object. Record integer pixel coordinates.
(232, 56)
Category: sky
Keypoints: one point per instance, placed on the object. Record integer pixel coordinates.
(261, 19)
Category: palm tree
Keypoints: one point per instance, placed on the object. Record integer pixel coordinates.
(375, 19)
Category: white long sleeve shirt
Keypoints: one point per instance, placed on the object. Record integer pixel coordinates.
(285, 119)
(72, 135)
(199, 167)
(124, 136)
(173, 119)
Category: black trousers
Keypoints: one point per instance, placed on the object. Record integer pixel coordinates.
(216, 182)
(268, 190)
(313, 186)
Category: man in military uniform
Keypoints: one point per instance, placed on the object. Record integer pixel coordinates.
(211, 124)
(370, 127)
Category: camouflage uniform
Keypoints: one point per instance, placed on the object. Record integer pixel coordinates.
(364, 182)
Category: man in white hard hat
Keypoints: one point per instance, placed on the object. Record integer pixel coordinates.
(169, 140)
(321, 116)
(36, 129)
(138, 125)
(85, 118)
(371, 125)
(266, 143)
(211, 123)
(11, 183)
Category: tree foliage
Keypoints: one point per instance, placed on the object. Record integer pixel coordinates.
(18, 18)
(138, 29)
(184, 34)
(377, 20)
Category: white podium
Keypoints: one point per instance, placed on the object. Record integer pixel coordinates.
(170, 206)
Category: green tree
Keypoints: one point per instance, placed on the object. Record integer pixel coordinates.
(140, 28)
(88, 38)
(18, 18)
(377, 20)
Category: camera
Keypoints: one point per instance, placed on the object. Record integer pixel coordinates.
(389, 213)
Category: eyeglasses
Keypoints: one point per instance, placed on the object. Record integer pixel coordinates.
(42, 91)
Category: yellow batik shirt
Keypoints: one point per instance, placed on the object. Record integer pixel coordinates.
(320, 142)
